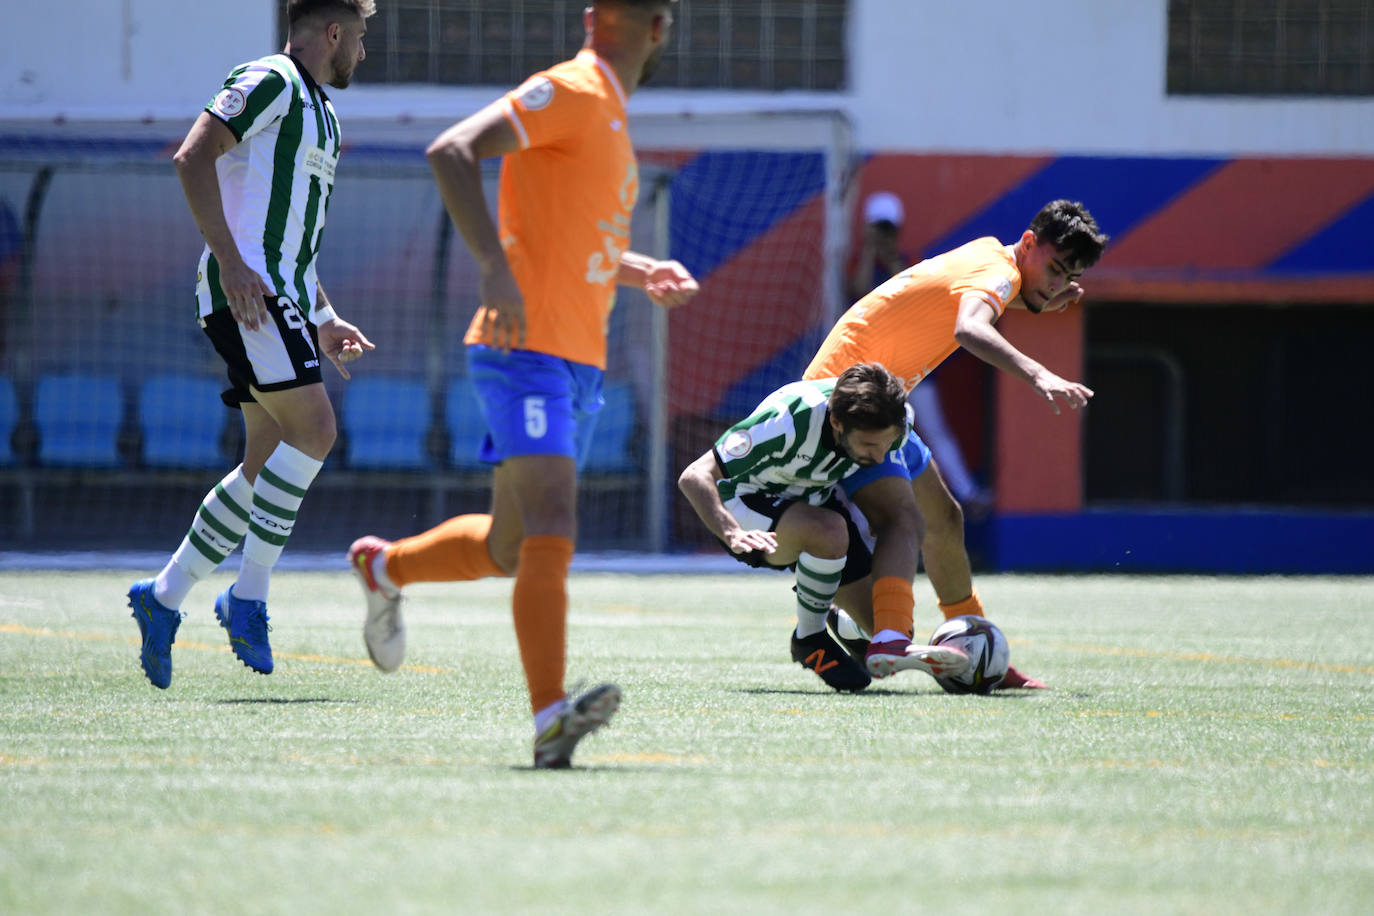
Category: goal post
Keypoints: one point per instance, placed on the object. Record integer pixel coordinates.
(758, 210)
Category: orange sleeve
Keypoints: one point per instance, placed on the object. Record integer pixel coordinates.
(999, 284)
(545, 111)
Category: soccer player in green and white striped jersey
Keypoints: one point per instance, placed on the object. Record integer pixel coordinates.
(257, 168)
(768, 490)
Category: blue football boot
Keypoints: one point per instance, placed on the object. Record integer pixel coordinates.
(158, 625)
(246, 622)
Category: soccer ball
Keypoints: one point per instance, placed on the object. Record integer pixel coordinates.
(988, 652)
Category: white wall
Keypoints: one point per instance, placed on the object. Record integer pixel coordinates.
(115, 59)
(1065, 76)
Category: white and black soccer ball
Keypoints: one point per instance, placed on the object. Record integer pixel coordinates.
(987, 649)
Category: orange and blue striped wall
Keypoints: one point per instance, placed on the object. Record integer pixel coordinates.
(1184, 230)
(1195, 229)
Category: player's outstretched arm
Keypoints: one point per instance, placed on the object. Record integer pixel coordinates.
(698, 483)
(976, 332)
(208, 139)
(667, 283)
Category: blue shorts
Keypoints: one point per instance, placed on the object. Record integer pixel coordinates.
(909, 463)
(534, 404)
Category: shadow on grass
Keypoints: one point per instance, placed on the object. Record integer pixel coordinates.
(598, 768)
(800, 692)
(279, 700)
(886, 692)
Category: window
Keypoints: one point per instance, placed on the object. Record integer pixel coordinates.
(716, 44)
(1271, 47)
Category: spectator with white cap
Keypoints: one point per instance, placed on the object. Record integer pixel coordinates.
(879, 256)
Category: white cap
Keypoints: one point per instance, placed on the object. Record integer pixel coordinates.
(884, 205)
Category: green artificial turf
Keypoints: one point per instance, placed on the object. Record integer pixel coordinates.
(1208, 747)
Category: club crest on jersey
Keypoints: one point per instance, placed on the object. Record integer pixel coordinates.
(231, 102)
(737, 444)
(1002, 289)
(535, 93)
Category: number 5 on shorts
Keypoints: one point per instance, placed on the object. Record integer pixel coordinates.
(536, 420)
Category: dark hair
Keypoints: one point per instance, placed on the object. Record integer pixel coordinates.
(1070, 228)
(296, 10)
(649, 5)
(868, 397)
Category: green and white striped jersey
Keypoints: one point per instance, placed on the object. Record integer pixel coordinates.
(785, 448)
(277, 181)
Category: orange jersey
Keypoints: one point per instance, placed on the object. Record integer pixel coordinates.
(907, 323)
(565, 203)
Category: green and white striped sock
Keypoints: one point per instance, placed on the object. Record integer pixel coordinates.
(219, 526)
(818, 579)
(277, 496)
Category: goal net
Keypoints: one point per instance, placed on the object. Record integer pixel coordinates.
(110, 425)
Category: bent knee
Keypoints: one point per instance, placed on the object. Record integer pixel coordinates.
(946, 519)
(317, 443)
(829, 536)
(316, 438)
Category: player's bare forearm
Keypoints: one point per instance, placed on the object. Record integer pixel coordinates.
(667, 283)
(698, 483)
(975, 332)
(994, 349)
(208, 139)
(458, 174)
(634, 269)
(455, 158)
(200, 183)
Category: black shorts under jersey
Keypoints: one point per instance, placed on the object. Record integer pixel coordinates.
(277, 356)
(858, 562)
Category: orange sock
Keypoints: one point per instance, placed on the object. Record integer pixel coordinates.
(540, 605)
(970, 605)
(455, 551)
(893, 603)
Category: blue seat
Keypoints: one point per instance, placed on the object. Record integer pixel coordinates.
(181, 418)
(611, 450)
(466, 426)
(78, 417)
(9, 419)
(386, 421)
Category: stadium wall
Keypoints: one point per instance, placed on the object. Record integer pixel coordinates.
(1065, 76)
(975, 117)
(997, 76)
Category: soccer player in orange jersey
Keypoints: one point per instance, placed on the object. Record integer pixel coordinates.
(910, 324)
(537, 345)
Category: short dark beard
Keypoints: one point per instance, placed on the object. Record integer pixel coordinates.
(340, 80)
(650, 65)
(842, 440)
